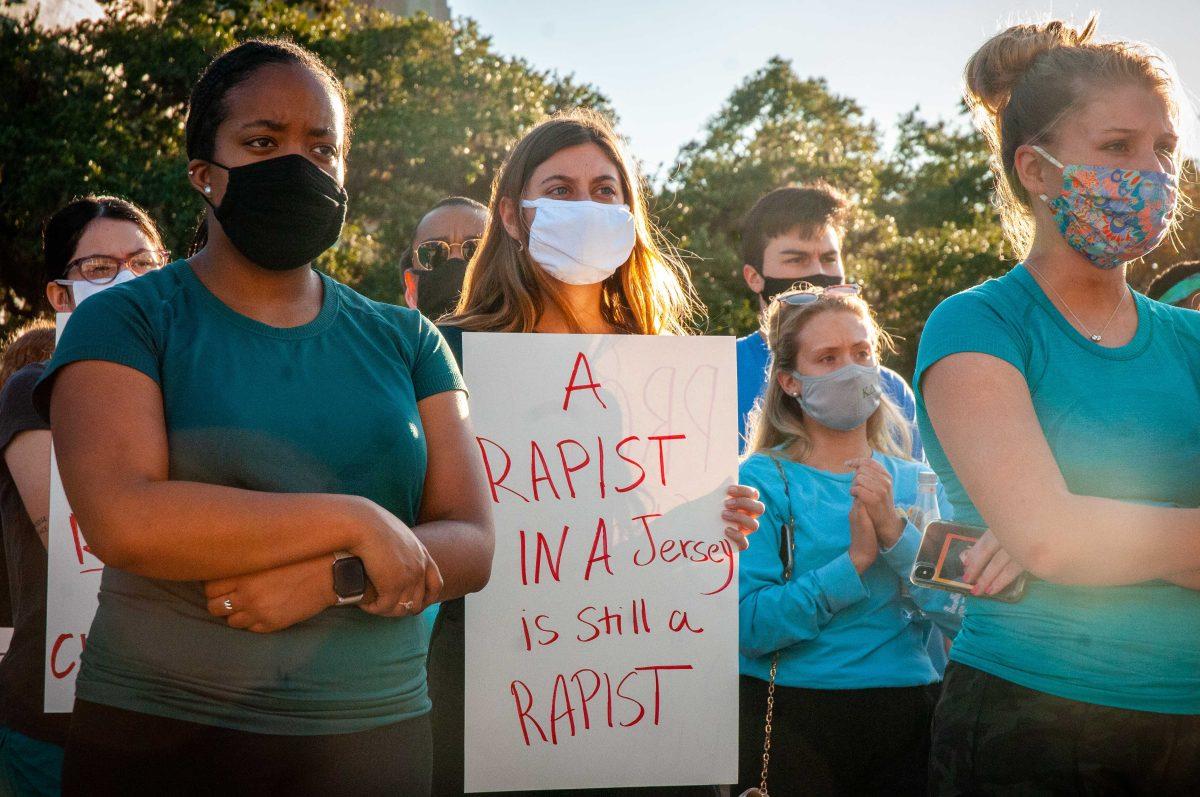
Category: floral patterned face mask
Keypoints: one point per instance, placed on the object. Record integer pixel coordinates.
(1112, 216)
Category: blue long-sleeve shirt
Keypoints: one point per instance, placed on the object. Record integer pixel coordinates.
(834, 629)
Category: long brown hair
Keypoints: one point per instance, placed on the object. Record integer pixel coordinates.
(1024, 80)
(778, 419)
(505, 291)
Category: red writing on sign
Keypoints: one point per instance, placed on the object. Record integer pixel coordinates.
(586, 700)
(592, 384)
(605, 621)
(65, 653)
(676, 550)
(556, 475)
(82, 552)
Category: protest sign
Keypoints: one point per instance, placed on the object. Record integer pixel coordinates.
(603, 653)
(73, 583)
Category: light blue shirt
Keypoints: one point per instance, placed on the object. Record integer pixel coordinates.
(1122, 423)
(753, 357)
(832, 628)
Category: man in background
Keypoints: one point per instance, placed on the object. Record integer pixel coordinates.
(436, 262)
(791, 235)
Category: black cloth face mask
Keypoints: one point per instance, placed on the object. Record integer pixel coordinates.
(438, 290)
(281, 212)
(773, 286)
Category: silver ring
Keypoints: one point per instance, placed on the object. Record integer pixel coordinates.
(407, 606)
(228, 605)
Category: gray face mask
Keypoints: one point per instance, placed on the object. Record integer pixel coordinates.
(843, 399)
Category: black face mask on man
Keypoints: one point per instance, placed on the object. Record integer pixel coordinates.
(773, 286)
(438, 289)
(281, 213)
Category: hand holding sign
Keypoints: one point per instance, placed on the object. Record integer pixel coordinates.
(743, 509)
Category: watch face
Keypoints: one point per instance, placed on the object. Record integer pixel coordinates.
(349, 577)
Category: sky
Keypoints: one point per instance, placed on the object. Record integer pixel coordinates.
(668, 65)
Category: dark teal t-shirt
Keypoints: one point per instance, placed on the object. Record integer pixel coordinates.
(327, 407)
(1122, 423)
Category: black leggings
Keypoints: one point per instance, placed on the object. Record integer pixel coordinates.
(991, 736)
(837, 741)
(111, 751)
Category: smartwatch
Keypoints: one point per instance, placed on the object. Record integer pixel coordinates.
(349, 578)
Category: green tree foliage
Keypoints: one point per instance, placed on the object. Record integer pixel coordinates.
(936, 171)
(775, 129)
(921, 228)
(930, 232)
(101, 107)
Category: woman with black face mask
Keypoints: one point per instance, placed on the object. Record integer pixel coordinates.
(273, 500)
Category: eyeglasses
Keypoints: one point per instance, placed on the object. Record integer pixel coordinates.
(102, 269)
(432, 255)
(799, 297)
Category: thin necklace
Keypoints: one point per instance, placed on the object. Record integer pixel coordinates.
(1095, 336)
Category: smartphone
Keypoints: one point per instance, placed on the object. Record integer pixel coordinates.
(939, 563)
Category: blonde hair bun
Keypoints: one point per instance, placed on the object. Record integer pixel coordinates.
(995, 69)
(997, 66)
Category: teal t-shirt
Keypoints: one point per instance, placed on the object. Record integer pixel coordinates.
(327, 407)
(1122, 423)
(832, 628)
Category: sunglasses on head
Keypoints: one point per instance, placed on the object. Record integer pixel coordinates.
(798, 297)
(432, 255)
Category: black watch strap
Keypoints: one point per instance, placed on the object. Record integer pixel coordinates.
(349, 578)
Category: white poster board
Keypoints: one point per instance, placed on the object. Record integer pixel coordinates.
(603, 653)
(73, 583)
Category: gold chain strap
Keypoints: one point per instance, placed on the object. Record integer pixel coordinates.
(790, 541)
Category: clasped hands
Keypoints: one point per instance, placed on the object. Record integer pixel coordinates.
(875, 524)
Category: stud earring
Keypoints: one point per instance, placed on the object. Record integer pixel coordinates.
(208, 189)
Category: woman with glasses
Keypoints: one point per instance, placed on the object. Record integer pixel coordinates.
(444, 242)
(95, 243)
(89, 245)
(827, 621)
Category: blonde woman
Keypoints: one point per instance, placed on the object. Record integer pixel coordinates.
(1060, 407)
(825, 614)
(568, 248)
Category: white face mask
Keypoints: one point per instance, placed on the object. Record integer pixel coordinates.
(82, 289)
(580, 242)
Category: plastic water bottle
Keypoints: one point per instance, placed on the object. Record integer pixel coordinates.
(925, 511)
